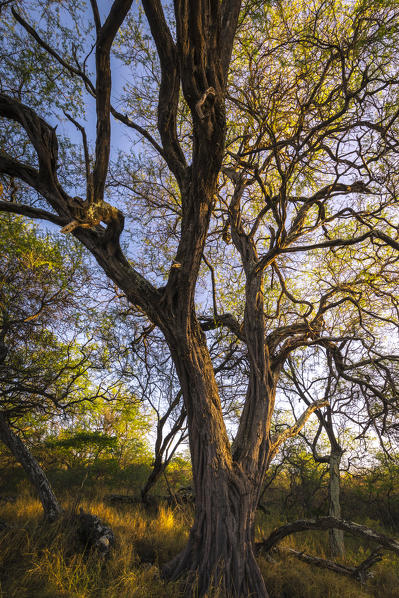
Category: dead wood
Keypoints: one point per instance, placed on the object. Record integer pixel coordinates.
(325, 523)
(360, 573)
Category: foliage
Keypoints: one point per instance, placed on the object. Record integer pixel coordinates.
(258, 203)
(102, 431)
(41, 281)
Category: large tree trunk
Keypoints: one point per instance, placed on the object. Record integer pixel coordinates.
(32, 468)
(220, 550)
(336, 536)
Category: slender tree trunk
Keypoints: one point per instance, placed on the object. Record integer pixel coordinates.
(157, 469)
(162, 444)
(32, 468)
(336, 536)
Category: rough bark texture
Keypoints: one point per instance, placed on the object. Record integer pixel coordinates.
(220, 551)
(33, 470)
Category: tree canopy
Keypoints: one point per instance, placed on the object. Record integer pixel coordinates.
(248, 208)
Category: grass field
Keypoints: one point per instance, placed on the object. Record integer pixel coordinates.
(46, 561)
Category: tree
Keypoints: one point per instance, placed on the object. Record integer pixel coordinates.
(98, 434)
(305, 389)
(43, 369)
(281, 147)
(141, 359)
(360, 384)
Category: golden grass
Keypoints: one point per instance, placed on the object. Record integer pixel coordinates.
(40, 561)
(45, 561)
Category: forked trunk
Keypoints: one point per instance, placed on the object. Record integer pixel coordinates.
(32, 468)
(220, 550)
(336, 536)
(219, 553)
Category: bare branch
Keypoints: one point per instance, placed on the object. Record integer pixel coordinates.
(96, 15)
(230, 12)
(360, 573)
(14, 208)
(227, 320)
(86, 153)
(169, 88)
(324, 523)
(297, 427)
(89, 85)
(105, 37)
(52, 52)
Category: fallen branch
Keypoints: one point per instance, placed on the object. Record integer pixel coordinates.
(324, 523)
(360, 573)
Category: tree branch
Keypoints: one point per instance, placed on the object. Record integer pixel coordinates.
(105, 37)
(14, 208)
(44, 140)
(297, 427)
(41, 134)
(96, 15)
(359, 573)
(228, 320)
(325, 523)
(89, 178)
(71, 69)
(89, 85)
(169, 89)
(230, 12)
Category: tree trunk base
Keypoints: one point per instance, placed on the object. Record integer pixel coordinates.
(52, 509)
(219, 563)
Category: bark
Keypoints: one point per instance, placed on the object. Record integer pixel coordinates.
(33, 470)
(158, 468)
(220, 549)
(3, 351)
(361, 572)
(324, 523)
(336, 536)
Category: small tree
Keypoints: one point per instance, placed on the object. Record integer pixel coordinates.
(40, 373)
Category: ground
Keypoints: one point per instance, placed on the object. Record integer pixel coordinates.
(47, 562)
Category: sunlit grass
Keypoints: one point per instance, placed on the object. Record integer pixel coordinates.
(46, 561)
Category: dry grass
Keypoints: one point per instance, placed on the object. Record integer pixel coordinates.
(40, 561)
(288, 577)
(46, 562)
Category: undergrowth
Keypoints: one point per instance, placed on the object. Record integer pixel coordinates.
(40, 560)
